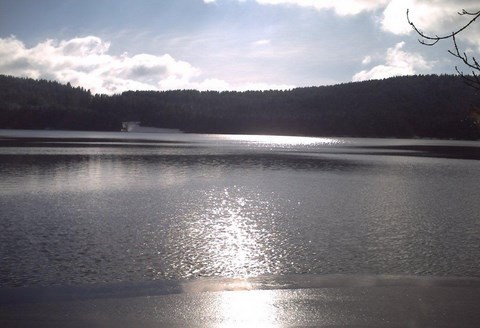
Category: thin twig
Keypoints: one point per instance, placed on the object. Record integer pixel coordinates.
(437, 38)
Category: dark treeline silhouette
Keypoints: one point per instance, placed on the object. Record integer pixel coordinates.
(416, 106)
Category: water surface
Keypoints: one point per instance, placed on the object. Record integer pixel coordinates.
(82, 208)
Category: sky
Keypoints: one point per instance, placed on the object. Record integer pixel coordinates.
(111, 46)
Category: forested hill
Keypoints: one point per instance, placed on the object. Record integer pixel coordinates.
(416, 106)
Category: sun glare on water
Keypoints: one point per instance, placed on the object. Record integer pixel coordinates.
(235, 238)
(248, 309)
(283, 141)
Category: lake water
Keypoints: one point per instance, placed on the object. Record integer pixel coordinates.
(81, 207)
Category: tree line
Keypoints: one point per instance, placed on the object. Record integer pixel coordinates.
(426, 106)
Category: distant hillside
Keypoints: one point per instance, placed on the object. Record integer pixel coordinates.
(417, 106)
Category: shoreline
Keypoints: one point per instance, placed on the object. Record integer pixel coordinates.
(365, 301)
(34, 294)
(148, 135)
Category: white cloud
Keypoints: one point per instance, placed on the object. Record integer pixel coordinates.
(367, 60)
(85, 62)
(394, 18)
(434, 18)
(431, 16)
(397, 62)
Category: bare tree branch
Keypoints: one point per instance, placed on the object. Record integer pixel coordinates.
(434, 39)
(471, 62)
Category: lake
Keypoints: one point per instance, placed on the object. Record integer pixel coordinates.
(83, 207)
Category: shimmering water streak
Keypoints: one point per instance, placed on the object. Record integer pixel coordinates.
(283, 141)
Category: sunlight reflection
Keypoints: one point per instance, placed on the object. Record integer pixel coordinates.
(283, 140)
(254, 308)
(236, 244)
(230, 235)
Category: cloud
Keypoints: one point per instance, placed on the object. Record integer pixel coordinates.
(435, 18)
(85, 62)
(431, 16)
(262, 42)
(397, 62)
(367, 60)
(394, 18)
